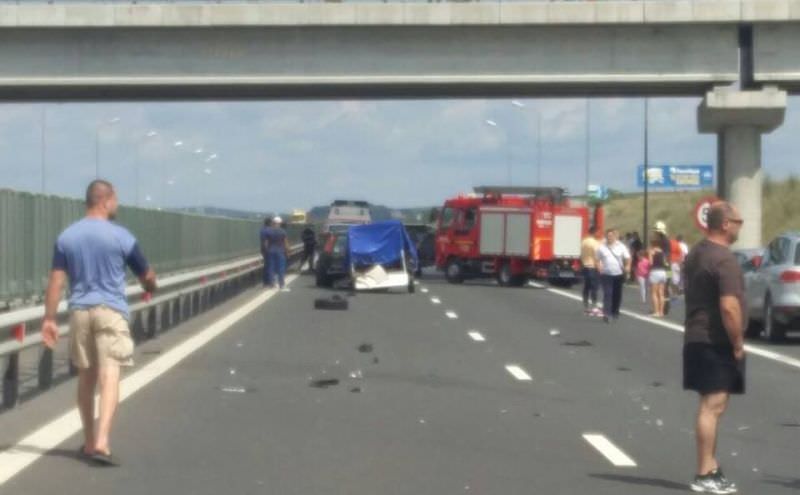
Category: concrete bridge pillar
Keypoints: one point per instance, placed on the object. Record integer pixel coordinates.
(739, 118)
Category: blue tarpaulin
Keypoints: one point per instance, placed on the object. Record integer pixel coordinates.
(380, 243)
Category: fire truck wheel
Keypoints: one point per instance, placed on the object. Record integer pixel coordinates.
(504, 276)
(453, 272)
(519, 281)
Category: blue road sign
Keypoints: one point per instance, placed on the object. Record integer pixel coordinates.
(676, 176)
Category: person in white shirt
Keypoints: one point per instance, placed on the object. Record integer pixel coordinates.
(614, 265)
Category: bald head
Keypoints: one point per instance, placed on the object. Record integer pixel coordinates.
(724, 222)
(101, 199)
(98, 192)
(718, 213)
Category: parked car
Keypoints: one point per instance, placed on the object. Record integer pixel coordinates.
(331, 262)
(747, 259)
(772, 286)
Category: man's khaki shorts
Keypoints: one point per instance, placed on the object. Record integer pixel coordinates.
(99, 336)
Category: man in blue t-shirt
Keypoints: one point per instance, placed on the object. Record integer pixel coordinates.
(275, 250)
(92, 254)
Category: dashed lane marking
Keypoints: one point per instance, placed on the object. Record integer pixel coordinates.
(518, 373)
(614, 454)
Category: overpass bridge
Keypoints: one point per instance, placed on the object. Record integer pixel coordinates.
(379, 50)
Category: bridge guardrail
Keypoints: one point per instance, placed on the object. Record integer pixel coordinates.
(179, 298)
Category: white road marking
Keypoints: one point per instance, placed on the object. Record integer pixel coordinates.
(749, 348)
(518, 373)
(29, 449)
(476, 336)
(424, 290)
(610, 451)
(451, 314)
(436, 300)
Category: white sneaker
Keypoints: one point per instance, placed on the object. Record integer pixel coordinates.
(714, 482)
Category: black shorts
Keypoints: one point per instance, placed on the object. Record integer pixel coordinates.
(709, 368)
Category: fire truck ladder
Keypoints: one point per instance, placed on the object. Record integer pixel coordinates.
(555, 193)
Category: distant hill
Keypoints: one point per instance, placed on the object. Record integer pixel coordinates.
(214, 211)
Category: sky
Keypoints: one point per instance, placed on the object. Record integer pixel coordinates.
(267, 156)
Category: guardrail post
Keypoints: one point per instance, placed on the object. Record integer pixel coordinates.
(46, 369)
(175, 306)
(11, 381)
(186, 307)
(136, 328)
(151, 329)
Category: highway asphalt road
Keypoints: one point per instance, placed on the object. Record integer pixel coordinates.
(453, 389)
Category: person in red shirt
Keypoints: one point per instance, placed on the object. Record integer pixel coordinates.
(676, 257)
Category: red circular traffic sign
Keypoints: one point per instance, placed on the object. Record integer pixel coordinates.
(701, 212)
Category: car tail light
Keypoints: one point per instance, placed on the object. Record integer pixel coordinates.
(790, 276)
(576, 265)
(330, 243)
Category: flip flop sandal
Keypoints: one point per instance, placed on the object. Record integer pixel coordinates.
(106, 460)
(82, 453)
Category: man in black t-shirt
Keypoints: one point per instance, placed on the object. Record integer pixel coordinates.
(713, 352)
(309, 239)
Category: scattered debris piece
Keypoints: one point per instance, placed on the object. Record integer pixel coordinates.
(578, 343)
(336, 303)
(324, 382)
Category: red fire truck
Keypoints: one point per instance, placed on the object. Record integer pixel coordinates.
(513, 233)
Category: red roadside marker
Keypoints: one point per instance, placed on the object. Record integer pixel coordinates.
(18, 332)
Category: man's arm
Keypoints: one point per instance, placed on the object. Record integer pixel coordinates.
(731, 312)
(139, 266)
(51, 299)
(626, 256)
(730, 286)
(598, 264)
(148, 281)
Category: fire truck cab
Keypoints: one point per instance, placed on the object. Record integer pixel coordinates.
(513, 234)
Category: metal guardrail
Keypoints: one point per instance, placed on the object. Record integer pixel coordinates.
(180, 297)
(30, 224)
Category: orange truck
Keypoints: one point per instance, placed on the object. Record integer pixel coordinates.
(513, 234)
